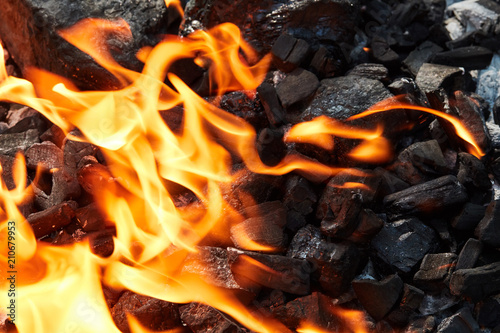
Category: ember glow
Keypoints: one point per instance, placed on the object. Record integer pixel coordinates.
(60, 287)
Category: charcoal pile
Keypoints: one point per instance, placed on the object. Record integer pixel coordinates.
(411, 241)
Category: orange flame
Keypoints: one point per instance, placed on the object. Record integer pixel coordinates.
(398, 102)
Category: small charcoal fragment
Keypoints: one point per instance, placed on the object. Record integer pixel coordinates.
(51, 219)
(7, 163)
(64, 187)
(469, 57)
(422, 325)
(339, 208)
(289, 52)
(335, 263)
(90, 218)
(469, 113)
(45, 154)
(488, 230)
(469, 217)
(315, 308)
(370, 224)
(421, 162)
(272, 271)
(152, 313)
(488, 312)
(201, 318)
(402, 244)
(55, 135)
(435, 196)
(328, 62)
(378, 297)
(270, 102)
(476, 283)
(422, 54)
(212, 265)
(265, 226)
(297, 86)
(431, 77)
(463, 321)
(469, 254)
(370, 71)
(300, 199)
(11, 143)
(74, 151)
(409, 303)
(472, 172)
(382, 51)
(434, 271)
(101, 243)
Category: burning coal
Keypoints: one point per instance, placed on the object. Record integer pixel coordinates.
(60, 287)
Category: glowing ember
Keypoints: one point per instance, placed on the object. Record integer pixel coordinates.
(59, 287)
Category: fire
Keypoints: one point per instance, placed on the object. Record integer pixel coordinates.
(352, 320)
(143, 154)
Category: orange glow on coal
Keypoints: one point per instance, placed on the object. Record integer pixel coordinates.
(353, 185)
(60, 287)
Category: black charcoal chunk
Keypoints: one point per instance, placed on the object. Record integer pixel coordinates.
(297, 86)
(201, 318)
(488, 230)
(42, 20)
(272, 107)
(339, 207)
(370, 71)
(472, 172)
(434, 271)
(422, 325)
(152, 313)
(328, 62)
(421, 162)
(431, 77)
(463, 321)
(435, 196)
(469, 57)
(46, 155)
(265, 227)
(378, 297)
(335, 263)
(408, 305)
(470, 254)
(300, 199)
(7, 163)
(279, 272)
(382, 52)
(488, 312)
(402, 244)
(299, 53)
(289, 52)
(212, 265)
(52, 219)
(262, 23)
(470, 115)
(12, 143)
(389, 182)
(422, 54)
(476, 283)
(369, 225)
(281, 50)
(315, 308)
(346, 96)
(469, 217)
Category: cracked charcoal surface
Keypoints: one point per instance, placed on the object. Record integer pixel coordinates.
(402, 244)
